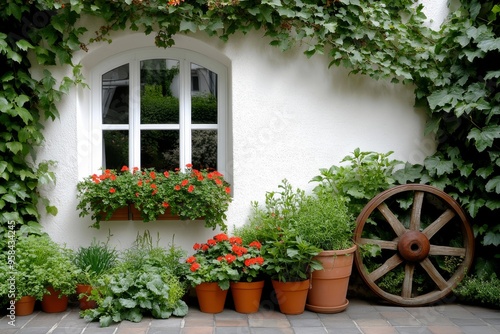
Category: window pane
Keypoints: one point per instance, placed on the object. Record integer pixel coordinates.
(160, 91)
(115, 153)
(115, 94)
(160, 149)
(204, 149)
(203, 95)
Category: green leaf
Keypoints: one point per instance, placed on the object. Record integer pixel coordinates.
(188, 26)
(14, 146)
(491, 238)
(24, 45)
(484, 137)
(493, 185)
(438, 166)
(489, 44)
(127, 303)
(9, 198)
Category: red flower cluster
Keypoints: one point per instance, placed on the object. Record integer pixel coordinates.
(224, 249)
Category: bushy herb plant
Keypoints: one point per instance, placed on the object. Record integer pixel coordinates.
(325, 221)
(289, 257)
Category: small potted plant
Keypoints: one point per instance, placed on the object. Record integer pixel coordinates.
(210, 272)
(325, 222)
(188, 194)
(93, 261)
(249, 263)
(289, 258)
(48, 265)
(18, 279)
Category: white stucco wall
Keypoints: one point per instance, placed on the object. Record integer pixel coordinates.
(290, 116)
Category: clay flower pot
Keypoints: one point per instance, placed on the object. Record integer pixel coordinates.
(211, 297)
(329, 286)
(55, 302)
(25, 305)
(85, 304)
(246, 296)
(291, 296)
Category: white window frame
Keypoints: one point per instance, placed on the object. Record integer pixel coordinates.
(185, 58)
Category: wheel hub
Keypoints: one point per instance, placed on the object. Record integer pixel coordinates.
(414, 246)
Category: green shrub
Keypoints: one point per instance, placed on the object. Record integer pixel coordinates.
(475, 290)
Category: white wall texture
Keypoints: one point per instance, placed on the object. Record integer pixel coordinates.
(290, 116)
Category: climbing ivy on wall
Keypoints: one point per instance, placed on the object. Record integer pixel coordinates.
(453, 72)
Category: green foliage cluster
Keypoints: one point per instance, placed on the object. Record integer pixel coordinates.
(483, 291)
(146, 280)
(94, 261)
(39, 263)
(289, 256)
(364, 175)
(325, 221)
(453, 70)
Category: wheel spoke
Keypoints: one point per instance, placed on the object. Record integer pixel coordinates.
(445, 250)
(392, 219)
(384, 244)
(439, 223)
(390, 264)
(416, 210)
(434, 274)
(408, 281)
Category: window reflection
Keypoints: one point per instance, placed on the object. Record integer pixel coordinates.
(203, 95)
(204, 149)
(159, 91)
(115, 96)
(115, 152)
(160, 149)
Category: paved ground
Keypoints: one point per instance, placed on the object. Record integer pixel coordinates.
(360, 317)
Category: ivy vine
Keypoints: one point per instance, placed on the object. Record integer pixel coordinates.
(454, 71)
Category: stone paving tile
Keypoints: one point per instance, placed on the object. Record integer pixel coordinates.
(360, 318)
(313, 330)
(445, 330)
(413, 330)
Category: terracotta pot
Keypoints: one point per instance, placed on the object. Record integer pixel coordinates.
(246, 296)
(211, 298)
(55, 302)
(85, 304)
(329, 286)
(25, 305)
(291, 296)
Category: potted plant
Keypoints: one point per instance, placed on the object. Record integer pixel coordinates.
(249, 263)
(18, 279)
(188, 194)
(325, 222)
(93, 261)
(45, 271)
(210, 272)
(289, 258)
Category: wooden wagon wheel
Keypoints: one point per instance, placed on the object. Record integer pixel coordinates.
(424, 242)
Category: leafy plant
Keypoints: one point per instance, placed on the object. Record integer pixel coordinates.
(145, 281)
(128, 295)
(288, 255)
(40, 263)
(365, 175)
(190, 194)
(324, 221)
(94, 261)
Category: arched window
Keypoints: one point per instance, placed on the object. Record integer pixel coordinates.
(160, 108)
